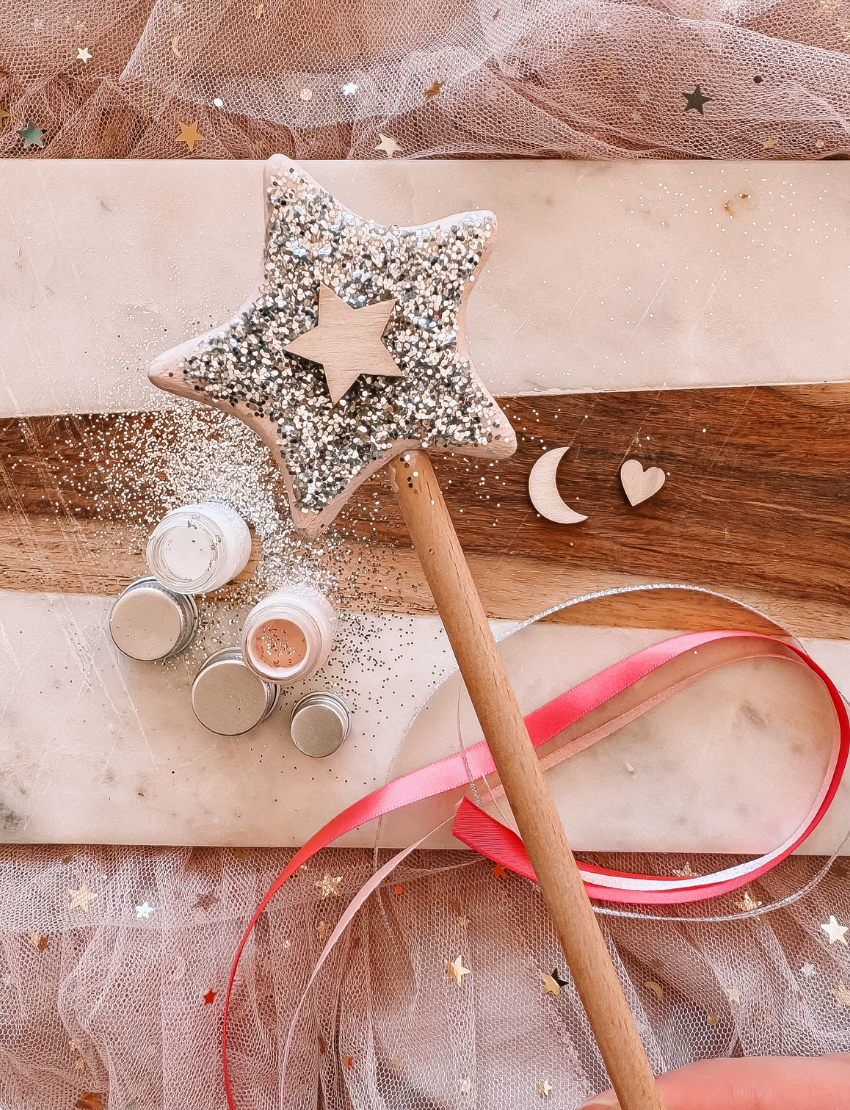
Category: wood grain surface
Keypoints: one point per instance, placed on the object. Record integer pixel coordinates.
(756, 504)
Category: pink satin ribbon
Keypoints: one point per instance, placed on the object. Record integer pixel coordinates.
(479, 831)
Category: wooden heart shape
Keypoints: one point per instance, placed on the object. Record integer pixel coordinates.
(639, 484)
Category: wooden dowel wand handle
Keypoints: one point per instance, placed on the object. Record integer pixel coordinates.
(495, 704)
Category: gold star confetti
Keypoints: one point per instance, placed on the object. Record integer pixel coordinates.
(842, 995)
(455, 971)
(175, 47)
(465, 1085)
(711, 1019)
(324, 930)
(398, 1063)
(79, 1064)
(499, 870)
(733, 994)
(550, 985)
(81, 899)
(748, 903)
(190, 135)
(329, 886)
(388, 145)
(834, 931)
(84, 55)
(768, 144)
(37, 940)
(545, 1088)
(656, 988)
(435, 90)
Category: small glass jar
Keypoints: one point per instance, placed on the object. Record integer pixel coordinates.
(199, 548)
(229, 698)
(149, 622)
(319, 724)
(288, 635)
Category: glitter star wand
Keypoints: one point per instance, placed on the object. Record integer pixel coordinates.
(351, 357)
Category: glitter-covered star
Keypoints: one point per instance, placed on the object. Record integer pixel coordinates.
(455, 971)
(328, 885)
(325, 447)
(695, 100)
(835, 932)
(81, 899)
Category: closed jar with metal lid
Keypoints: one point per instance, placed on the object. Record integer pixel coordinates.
(319, 723)
(149, 622)
(228, 697)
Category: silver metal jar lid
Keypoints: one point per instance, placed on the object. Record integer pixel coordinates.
(319, 723)
(228, 697)
(150, 622)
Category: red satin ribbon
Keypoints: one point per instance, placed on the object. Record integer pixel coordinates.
(499, 843)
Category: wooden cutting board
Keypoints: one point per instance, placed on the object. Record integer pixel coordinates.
(756, 503)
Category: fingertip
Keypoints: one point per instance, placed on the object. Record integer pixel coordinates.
(606, 1101)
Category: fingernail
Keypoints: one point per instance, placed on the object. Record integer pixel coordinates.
(607, 1100)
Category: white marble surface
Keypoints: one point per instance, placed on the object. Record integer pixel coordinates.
(95, 747)
(607, 275)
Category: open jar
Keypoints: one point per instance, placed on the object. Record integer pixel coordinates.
(199, 548)
(288, 635)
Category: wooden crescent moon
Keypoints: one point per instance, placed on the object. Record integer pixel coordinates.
(544, 492)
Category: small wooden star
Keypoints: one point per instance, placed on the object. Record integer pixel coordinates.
(835, 932)
(455, 971)
(89, 1100)
(545, 1088)
(79, 1064)
(734, 994)
(84, 55)
(388, 145)
(209, 997)
(32, 135)
(842, 994)
(81, 899)
(328, 886)
(768, 144)
(189, 134)
(346, 343)
(550, 985)
(435, 90)
(696, 99)
(243, 855)
(499, 870)
(37, 940)
(465, 1085)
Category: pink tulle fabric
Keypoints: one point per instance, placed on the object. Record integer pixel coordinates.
(443, 78)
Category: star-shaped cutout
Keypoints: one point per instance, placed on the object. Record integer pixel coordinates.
(545, 1088)
(81, 899)
(346, 342)
(435, 90)
(835, 932)
(733, 994)
(84, 55)
(696, 99)
(465, 1085)
(38, 940)
(388, 145)
(209, 997)
(455, 971)
(326, 448)
(550, 984)
(32, 135)
(144, 911)
(842, 994)
(189, 134)
(328, 885)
